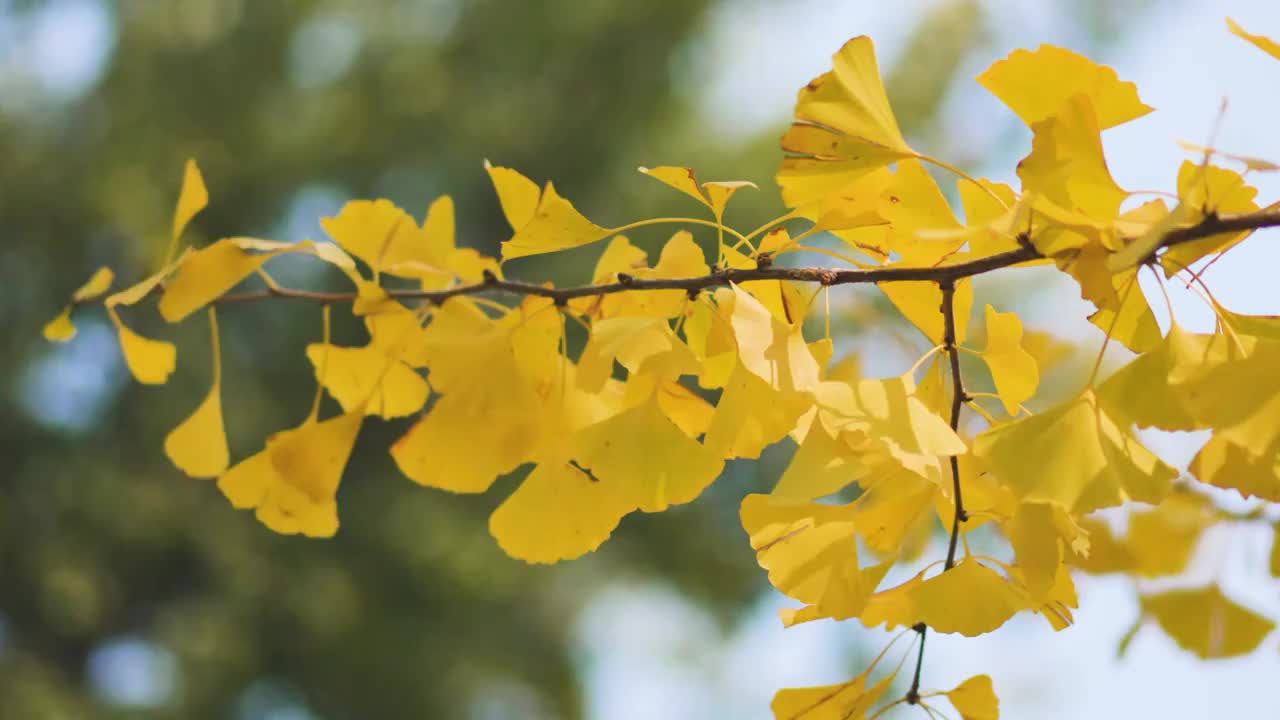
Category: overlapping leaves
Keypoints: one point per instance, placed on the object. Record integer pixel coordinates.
(682, 370)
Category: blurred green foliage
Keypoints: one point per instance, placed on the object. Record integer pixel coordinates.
(292, 107)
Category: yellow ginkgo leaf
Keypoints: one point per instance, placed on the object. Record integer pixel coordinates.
(1139, 392)
(719, 191)
(913, 201)
(198, 445)
(1142, 248)
(1012, 368)
(980, 208)
(849, 207)
(685, 408)
(619, 256)
(1262, 326)
(207, 274)
(288, 510)
(680, 258)
(1055, 606)
(192, 198)
(1245, 456)
(680, 178)
(1207, 623)
(247, 482)
(845, 128)
(558, 513)
(845, 701)
(376, 231)
(312, 456)
(1161, 540)
(1106, 553)
(652, 461)
(96, 286)
(786, 300)
(1066, 164)
(517, 194)
(822, 465)
(898, 424)
(975, 699)
(810, 551)
(773, 350)
(1074, 455)
(714, 195)
(1262, 42)
(334, 255)
(850, 99)
(1130, 321)
(293, 482)
(489, 371)
(367, 377)
(970, 599)
(438, 247)
(135, 293)
(991, 227)
(60, 328)
(1036, 545)
(543, 222)
(752, 415)
(1206, 190)
(472, 356)
(1275, 552)
(1253, 164)
(1210, 371)
(894, 504)
(387, 239)
(442, 450)
(1189, 381)
(1019, 82)
(709, 335)
(638, 343)
(919, 303)
(150, 361)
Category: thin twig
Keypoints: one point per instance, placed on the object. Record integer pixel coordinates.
(913, 694)
(958, 398)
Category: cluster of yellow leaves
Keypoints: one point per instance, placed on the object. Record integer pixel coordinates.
(1048, 471)
(973, 699)
(671, 384)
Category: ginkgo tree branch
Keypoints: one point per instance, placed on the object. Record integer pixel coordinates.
(958, 398)
(1209, 226)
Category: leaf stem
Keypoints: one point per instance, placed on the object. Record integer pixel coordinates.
(964, 176)
(324, 358)
(680, 220)
(1115, 319)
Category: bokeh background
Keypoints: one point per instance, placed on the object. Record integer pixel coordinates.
(127, 590)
